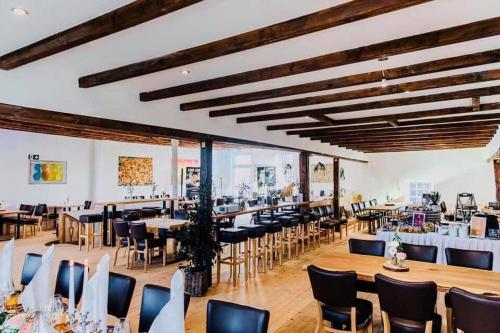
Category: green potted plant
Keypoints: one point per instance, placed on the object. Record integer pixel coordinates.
(435, 198)
(198, 246)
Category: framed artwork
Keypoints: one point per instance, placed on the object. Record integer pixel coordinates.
(47, 172)
(192, 181)
(418, 219)
(322, 175)
(478, 227)
(266, 176)
(135, 171)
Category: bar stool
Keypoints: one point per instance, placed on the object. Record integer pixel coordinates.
(158, 210)
(234, 237)
(290, 225)
(257, 246)
(148, 213)
(87, 230)
(274, 241)
(303, 228)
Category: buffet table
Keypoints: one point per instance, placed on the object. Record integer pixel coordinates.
(443, 242)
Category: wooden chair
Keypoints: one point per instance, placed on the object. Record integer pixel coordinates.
(145, 246)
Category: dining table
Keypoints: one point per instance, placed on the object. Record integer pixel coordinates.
(259, 209)
(9, 213)
(366, 267)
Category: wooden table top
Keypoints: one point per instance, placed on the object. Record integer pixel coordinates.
(12, 212)
(473, 280)
(161, 223)
(385, 207)
(75, 215)
(256, 209)
(66, 206)
(133, 201)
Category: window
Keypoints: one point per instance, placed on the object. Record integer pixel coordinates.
(417, 188)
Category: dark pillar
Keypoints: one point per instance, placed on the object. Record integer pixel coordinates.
(206, 172)
(336, 187)
(304, 174)
(496, 164)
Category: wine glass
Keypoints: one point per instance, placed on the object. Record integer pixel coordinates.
(122, 326)
(54, 310)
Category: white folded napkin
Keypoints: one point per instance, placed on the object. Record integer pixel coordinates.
(38, 292)
(6, 264)
(96, 297)
(171, 317)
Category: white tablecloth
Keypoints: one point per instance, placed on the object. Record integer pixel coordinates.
(442, 242)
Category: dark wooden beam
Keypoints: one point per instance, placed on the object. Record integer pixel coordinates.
(410, 138)
(457, 34)
(436, 141)
(476, 104)
(304, 175)
(399, 116)
(453, 95)
(475, 59)
(393, 123)
(130, 15)
(324, 19)
(446, 81)
(421, 148)
(324, 119)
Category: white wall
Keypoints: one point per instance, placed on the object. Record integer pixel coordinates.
(14, 168)
(451, 171)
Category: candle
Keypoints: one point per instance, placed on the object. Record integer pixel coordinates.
(95, 298)
(71, 307)
(84, 308)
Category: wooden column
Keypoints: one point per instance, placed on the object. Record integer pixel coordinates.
(206, 173)
(304, 174)
(336, 187)
(496, 165)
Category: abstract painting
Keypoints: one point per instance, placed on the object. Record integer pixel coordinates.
(323, 176)
(47, 172)
(135, 171)
(266, 176)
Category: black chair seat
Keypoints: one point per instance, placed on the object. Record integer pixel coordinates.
(265, 217)
(303, 218)
(148, 213)
(233, 235)
(272, 227)
(340, 318)
(158, 210)
(254, 230)
(314, 216)
(288, 221)
(91, 218)
(152, 243)
(399, 325)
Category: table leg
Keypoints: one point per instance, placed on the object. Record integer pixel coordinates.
(113, 235)
(105, 225)
(18, 226)
(54, 212)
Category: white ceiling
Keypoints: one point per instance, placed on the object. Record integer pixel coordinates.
(51, 83)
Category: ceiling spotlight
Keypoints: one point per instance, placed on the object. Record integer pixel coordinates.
(185, 72)
(383, 82)
(19, 11)
(384, 58)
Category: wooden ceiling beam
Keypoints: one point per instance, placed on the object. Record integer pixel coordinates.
(403, 116)
(446, 81)
(130, 15)
(323, 19)
(324, 119)
(434, 66)
(402, 139)
(456, 34)
(413, 149)
(413, 144)
(448, 96)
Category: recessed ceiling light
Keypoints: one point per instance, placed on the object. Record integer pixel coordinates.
(19, 11)
(185, 72)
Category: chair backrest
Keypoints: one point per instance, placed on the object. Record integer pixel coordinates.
(120, 290)
(406, 300)
(469, 258)
(328, 210)
(154, 299)
(131, 215)
(321, 211)
(29, 208)
(138, 231)
(367, 247)
(40, 210)
(333, 288)
(427, 253)
(220, 201)
(362, 205)
(473, 312)
(180, 215)
(355, 208)
(121, 229)
(62, 280)
(444, 209)
(226, 317)
(32, 262)
(87, 204)
(373, 202)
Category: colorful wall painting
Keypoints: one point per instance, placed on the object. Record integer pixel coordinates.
(266, 176)
(47, 172)
(322, 176)
(135, 171)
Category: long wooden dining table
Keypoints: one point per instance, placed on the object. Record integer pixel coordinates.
(366, 267)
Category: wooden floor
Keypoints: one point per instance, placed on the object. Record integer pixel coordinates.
(285, 291)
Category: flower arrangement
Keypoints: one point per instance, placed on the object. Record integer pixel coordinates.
(396, 250)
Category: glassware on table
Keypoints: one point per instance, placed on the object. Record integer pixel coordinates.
(122, 325)
(54, 310)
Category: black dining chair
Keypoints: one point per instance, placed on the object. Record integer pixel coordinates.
(465, 258)
(153, 300)
(226, 317)
(408, 306)
(426, 253)
(120, 290)
(145, 244)
(62, 279)
(87, 204)
(124, 241)
(338, 306)
(369, 248)
(32, 262)
(475, 313)
(469, 258)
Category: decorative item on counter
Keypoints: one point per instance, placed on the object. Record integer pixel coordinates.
(154, 187)
(243, 192)
(418, 219)
(396, 252)
(429, 227)
(2, 205)
(478, 227)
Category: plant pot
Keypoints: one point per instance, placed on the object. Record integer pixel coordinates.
(197, 282)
